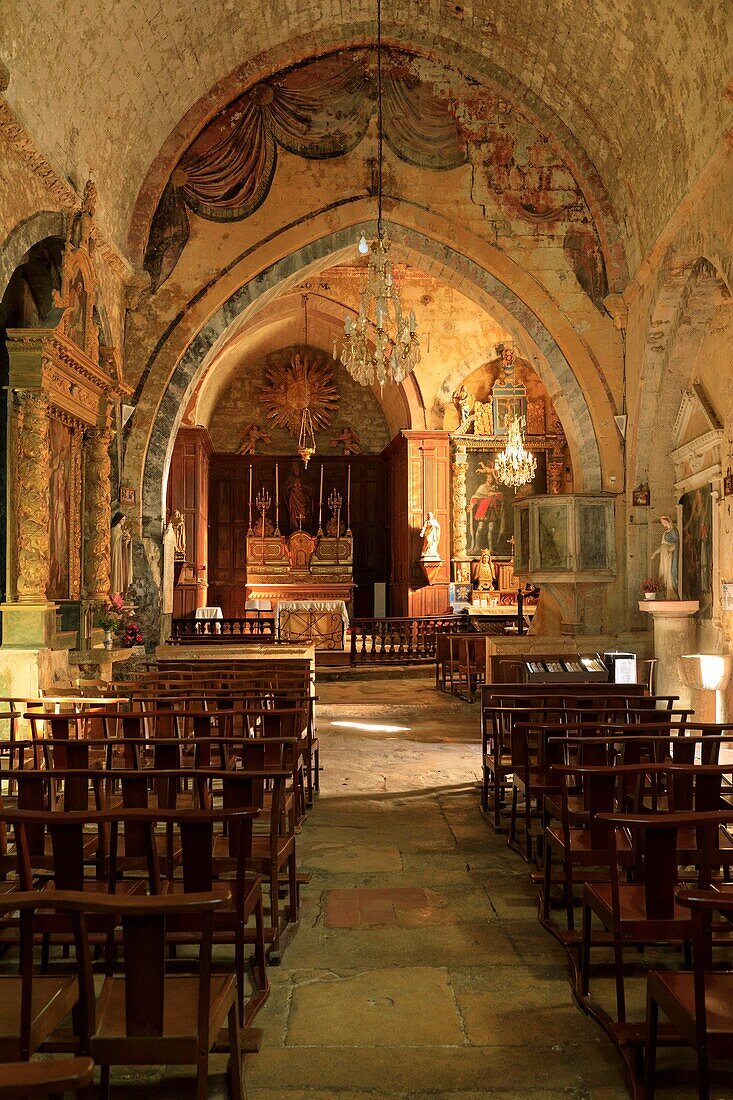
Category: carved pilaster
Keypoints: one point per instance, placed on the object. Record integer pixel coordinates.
(29, 481)
(97, 492)
(75, 503)
(459, 503)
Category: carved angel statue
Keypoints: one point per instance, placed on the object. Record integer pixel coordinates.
(431, 533)
(349, 440)
(252, 436)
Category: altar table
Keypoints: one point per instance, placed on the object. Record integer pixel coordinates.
(324, 622)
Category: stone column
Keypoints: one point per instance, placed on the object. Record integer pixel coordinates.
(97, 513)
(29, 486)
(674, 636)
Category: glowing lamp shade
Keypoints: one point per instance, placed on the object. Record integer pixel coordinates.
(706, 671)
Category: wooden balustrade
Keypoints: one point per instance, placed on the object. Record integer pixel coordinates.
(400, 640)
(251, 627)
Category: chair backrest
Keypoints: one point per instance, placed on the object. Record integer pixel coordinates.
(658, 841)
(28, 903)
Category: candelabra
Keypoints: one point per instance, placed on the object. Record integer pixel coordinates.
(263, 502)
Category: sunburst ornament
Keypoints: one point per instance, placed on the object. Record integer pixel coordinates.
(299, 387)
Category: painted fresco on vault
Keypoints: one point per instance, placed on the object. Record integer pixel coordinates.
(697, 543)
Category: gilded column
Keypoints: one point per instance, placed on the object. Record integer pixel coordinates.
(97, 517)
(30, 477)
(459, 503)
(75, 517)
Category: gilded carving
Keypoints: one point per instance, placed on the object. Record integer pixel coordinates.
(75, 513)
(483, 423)
(30, 487)
(97, 512)
(459, 504)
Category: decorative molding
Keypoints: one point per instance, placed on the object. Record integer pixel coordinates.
(17, 136)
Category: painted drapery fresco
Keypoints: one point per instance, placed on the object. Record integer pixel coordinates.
(697, 542)
(433, 118)
(318, 110)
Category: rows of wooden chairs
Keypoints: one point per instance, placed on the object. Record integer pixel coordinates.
(142, 824)
(622, 806)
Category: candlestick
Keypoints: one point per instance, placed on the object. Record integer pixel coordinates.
(250, 532)
(348, 499)
(320, 504)
(277, 500)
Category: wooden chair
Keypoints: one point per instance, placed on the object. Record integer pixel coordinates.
(644, 912)
(496, 761)
(44, 1080)
(699, 1005)
(243, 894)
(581, 842)
(32, 1005)
(146, 1016)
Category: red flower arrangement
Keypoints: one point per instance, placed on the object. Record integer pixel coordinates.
(132, 635)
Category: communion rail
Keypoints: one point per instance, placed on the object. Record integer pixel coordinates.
(406, 640)
(250, 628)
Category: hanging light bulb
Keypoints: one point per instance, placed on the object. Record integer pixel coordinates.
(381, 344)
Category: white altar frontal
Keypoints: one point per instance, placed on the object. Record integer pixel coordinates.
(322, 622)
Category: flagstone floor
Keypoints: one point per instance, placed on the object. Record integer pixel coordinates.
(419, 969)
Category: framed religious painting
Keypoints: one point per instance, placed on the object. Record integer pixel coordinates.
(697, 548)
(489, 512)
(60, 504)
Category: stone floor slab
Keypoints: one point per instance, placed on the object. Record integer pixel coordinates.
(407, 1007)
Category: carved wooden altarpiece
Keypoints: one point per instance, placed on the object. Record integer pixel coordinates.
(62, 392)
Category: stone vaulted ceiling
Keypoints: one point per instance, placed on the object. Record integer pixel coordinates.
(644, 89)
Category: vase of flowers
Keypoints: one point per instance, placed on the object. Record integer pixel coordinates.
(650, 587)
(111, 617)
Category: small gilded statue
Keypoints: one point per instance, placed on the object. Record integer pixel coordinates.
(431, 534)
(178, 523)
(485, 575)
(669, 555)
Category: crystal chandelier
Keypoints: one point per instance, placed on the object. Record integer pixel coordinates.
(306, 436)
(396, 348)
(514, 466)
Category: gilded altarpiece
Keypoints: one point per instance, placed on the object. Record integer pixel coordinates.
(62, 396)
(483, 512)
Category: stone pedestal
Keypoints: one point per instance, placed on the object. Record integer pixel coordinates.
(96, 664)
(28, 625)
(674, 635)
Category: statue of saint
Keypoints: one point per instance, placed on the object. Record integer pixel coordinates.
(431, 533)
(669, 556)
(298, 498)
(485, 574)
(179, 526)
(120, 555)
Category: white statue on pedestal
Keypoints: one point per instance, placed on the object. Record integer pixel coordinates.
(120, 555)
(668, 551)
(431, 533)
